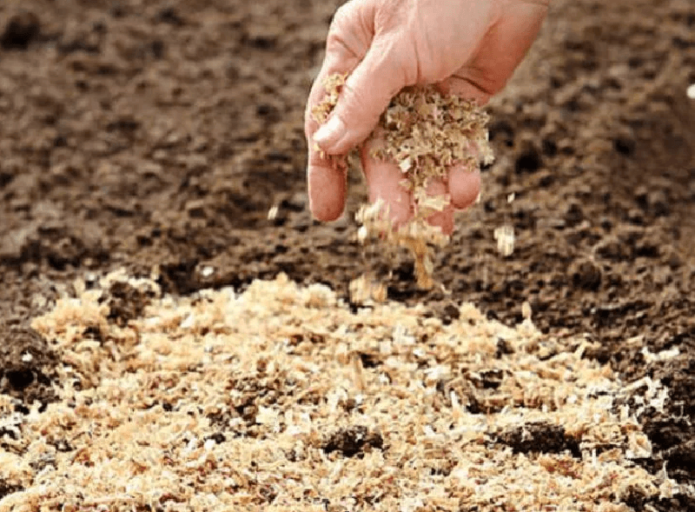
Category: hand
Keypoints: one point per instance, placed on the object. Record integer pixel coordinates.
(464, 47)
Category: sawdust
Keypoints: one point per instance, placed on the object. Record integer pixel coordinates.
(504, 235)
(424, 133)
(283, 398)
(366, 290)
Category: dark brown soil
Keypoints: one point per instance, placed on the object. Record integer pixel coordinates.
(157, 134)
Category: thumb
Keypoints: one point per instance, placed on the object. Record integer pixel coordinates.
(365, 95)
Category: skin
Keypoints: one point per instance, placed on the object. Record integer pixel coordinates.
(464, 47)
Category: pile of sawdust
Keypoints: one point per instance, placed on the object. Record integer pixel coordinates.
(424, 133)
(283, 399)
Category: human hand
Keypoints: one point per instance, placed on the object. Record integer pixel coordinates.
(465, 47)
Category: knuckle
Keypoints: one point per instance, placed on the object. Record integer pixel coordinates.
(338, 43)
(347, 35)
(353, 98)
(340, 25)
(341, 18)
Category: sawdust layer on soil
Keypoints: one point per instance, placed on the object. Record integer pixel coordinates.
(282, 398)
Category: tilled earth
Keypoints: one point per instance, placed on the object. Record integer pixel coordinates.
(155, 135)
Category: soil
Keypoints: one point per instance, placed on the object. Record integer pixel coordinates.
(157, 135)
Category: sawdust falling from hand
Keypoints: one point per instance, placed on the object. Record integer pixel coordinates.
(283, 398)
(424, 133)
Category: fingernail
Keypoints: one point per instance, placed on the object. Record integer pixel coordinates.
(330, 133)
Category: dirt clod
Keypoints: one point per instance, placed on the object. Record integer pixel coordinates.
(20, 30)
(7, 489)
(586, 275)
(352, 441)
(28, 367)
(539, 438)
(126, 302)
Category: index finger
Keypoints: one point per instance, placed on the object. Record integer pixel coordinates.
(346, 45)
(325, 174)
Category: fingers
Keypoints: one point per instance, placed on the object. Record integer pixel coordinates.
(445, 218)
(366, 94)
(471, 87)
(464, 182)
(464, 186)
(326, 179)
(347, 42)
(327, 188)
(384, 181)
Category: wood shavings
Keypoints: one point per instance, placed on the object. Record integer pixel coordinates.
(664, 355)
(333, 85)
(424, 133)
(505, 240)
(526, 310)
(365, 291)
(283, 398)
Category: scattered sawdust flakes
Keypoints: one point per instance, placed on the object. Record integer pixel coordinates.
(75, 317)
(333, 85)
(281, 398)
(551, 482)
(417, 235)
(504, 235)
(433, 131)
(365, 291)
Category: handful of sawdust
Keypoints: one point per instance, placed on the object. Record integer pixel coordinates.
(423, 132)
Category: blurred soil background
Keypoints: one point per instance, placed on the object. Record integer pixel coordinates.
(156, 135)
